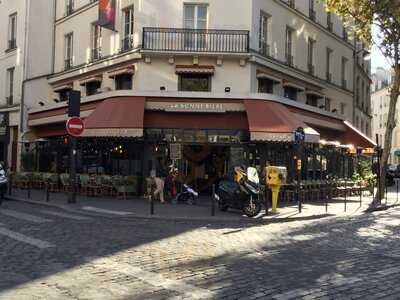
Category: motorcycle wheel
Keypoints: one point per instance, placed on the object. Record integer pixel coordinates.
(251, 207)
(190, 200)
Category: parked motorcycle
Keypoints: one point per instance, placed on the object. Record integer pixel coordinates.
(241, 193)
(3, 183)
(188, 195)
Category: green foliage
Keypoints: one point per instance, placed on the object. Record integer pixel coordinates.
(28, 162)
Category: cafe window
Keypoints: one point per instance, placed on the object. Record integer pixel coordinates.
(195, 82)
(265, 86)
(123, 82)
(290, 93)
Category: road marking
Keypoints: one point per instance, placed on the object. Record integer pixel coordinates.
(154, 278)
(106, 211)
(23, 216)
(25, 239)
(65, 215)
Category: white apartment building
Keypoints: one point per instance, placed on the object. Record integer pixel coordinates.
(25, 56)
(191, 69)
(380, 100)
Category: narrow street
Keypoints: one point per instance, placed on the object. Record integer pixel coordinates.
(49, 253)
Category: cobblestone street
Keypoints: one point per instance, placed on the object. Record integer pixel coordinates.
(48, 253)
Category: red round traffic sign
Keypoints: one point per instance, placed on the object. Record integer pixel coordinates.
(75, 126)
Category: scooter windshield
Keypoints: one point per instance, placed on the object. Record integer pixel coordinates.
(252, 175)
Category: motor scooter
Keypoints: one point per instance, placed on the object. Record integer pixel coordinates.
(188, 195)
(3, 183)
(241, 193)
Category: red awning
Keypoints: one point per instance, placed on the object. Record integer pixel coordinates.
(119, 117)
(271, 121)
(355, 137)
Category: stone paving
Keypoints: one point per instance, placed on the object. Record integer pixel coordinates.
(47, 253)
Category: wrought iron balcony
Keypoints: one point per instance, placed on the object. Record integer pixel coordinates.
(265, 49)
(9, 100)
(127, 43)
(95, 54)
(195, 40)
(289, 60)
(68, 63)
(12, 44)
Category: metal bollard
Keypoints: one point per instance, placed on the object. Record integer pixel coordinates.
(29, 190)
(47, 193)
(213, 201)
(10, 185)
(345, 195)
(152, 198)
(266, 195)
(326, 199)
(397, 190)
(361, 193)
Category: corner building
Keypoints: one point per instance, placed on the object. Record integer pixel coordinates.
(227, 81)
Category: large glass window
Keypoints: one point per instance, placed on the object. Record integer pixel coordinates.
(310, 57)
(328, 64)
(289, 46)
(196, 16)
(128, 27)
(96, 42)
(12, 31)
(343, 72)
(195, 82)
(10, 85)
(68, 52)
(263, 34)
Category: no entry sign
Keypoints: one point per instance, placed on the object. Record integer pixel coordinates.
(75, 126)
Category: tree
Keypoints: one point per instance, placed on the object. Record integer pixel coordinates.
(360, 16)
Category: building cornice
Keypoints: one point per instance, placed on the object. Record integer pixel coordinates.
(193, 95)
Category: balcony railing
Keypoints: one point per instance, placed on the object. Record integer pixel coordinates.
(289, 59)
(195, 40)
(328, 76)
(311, 69)
(313, 14)
(265, 49)
(95, 54)
(344, 83)
(68, 63)
(12, 44)
(127, 43)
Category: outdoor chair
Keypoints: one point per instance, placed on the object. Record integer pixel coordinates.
(94, 186)
(51, 181)
(64, 178)
(107, 188)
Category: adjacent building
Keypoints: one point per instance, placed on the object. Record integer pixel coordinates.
(223, 85)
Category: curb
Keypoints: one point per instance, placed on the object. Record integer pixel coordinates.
(381, 208)
(210, 219)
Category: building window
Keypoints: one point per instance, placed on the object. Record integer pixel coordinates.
(68, 52)
(291, 3)
(362, 95)
(312, 10)
(343, 72)
(96, 42)
(63, 95)
(310, 56)
(92, 87)
(328, 104)
(263, 34)
(357, 122)
(328, 64)
(265, 86)
(342, 108)
(290, 93)
(10, 86)
(312, 100)
(358, 91)
(12, 31)
(289, 46)
(195, 16)
(362, 126)
(123, 82)
(69, 7)
(128, 27)
(195, 82)
(329, 23)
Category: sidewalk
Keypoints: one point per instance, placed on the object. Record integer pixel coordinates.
(140, 208)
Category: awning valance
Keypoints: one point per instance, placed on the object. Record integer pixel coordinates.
(194, 69)
(271, 121)
(91, 79)
(64, 87)
(117, 117)
(293, 85)
(122, 71)
(262, 75)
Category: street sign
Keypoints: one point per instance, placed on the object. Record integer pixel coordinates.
(175, 152)
(299, 135)
(75, 126)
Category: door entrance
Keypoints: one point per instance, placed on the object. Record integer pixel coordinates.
(204, 165)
